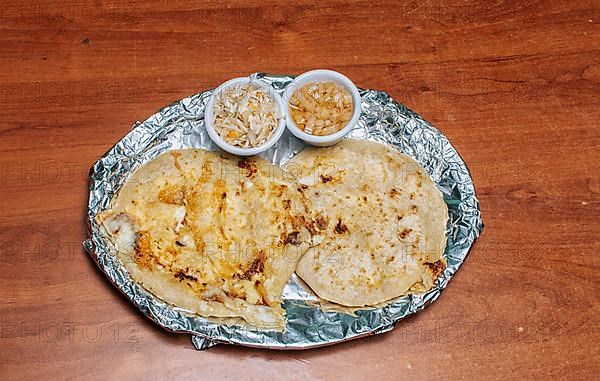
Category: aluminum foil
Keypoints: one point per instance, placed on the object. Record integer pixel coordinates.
(181, 125)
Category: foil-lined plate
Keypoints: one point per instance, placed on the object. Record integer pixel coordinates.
(181, 125)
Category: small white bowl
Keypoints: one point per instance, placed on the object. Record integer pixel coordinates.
(322, 76)
(219, 141)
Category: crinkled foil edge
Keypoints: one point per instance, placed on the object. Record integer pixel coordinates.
(181, 125)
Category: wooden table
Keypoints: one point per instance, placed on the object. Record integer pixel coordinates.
(514, 85)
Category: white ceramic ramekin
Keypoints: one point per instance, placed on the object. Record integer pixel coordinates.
(214, 135)
(322, 76)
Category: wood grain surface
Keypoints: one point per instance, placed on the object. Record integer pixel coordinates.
(514, 85)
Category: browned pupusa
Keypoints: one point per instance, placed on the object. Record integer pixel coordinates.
(384, 230)
(212, 233)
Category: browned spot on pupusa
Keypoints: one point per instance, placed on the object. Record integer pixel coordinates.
(256, 267)
(340, 228)
(143, 254)
(214, 298)
(184, 275)
(292, 238)
(436, 267)
(321, 222)
(262, 291)
(404, 233)
(279, 189)
(325, 178)
(249, 166)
